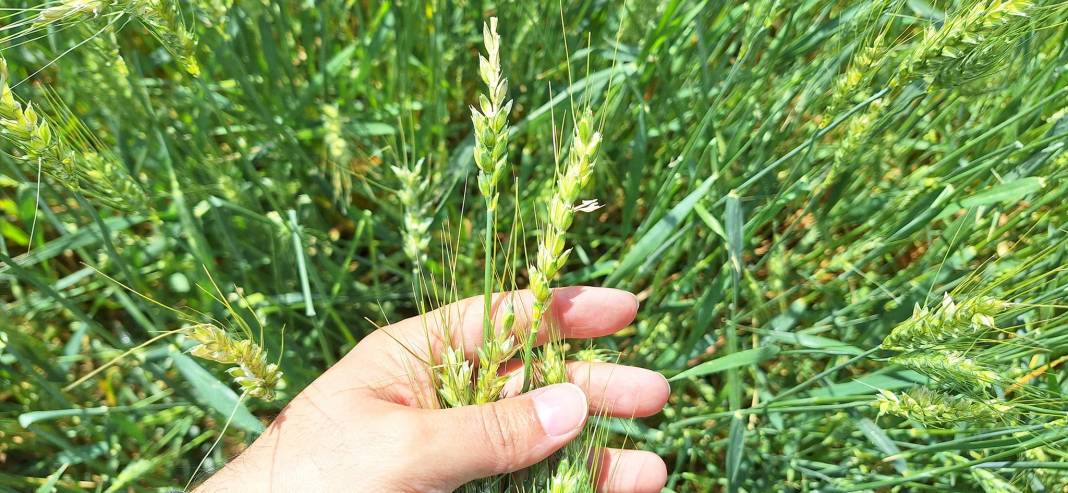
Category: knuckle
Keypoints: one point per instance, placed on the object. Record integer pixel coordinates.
(503, 434)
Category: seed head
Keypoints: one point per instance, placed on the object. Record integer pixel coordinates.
(552, 367)
(490, 118)
(991, 482)
(569, 478)
(163, 18)
(455, 379)
(338, 154)
(82, 170)
(69, 10)
(968, 44)
(551, 255)
(412, 196)
(859, 70)
(931, 407)
(952, 370)
(251, 372)
(948, 322)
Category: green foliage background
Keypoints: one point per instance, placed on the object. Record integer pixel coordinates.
(856, 196)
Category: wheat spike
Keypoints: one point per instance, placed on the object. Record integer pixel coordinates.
(949, 321)
(251, 372)
(931, 407)
(952, 370)
(968, 44)
(81, 170)
(415, 229)
(552, 256)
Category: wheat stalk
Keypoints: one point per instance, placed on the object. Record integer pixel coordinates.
(490, 121)
(459, 385)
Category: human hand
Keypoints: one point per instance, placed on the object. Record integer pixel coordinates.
(368, 423)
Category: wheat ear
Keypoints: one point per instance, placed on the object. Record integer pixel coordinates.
(552, 254)
(81, 170)
(251, 371)
(416, 225)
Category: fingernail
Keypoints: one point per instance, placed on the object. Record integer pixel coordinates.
(561, 408)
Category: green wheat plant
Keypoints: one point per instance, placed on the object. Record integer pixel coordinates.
(251, 371)
(46, 148)
(931, 407)
(412, 196)
(969, 43)
(844, 220)
(163, 19)
(551, 254)
(459, 381)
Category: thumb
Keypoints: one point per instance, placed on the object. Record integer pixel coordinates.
(472, 442)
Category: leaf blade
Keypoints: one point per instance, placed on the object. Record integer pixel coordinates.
(730, 361)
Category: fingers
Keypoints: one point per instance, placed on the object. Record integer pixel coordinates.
(630, 471)
(577, 312)
(393, 362)
(619, 390)
(505, 436)
(611, 389)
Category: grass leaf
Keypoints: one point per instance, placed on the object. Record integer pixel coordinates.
(215, 394)
(730, 361)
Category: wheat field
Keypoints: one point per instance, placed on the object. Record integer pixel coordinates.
(845, 223)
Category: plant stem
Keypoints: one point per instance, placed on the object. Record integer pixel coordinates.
(487, 280)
